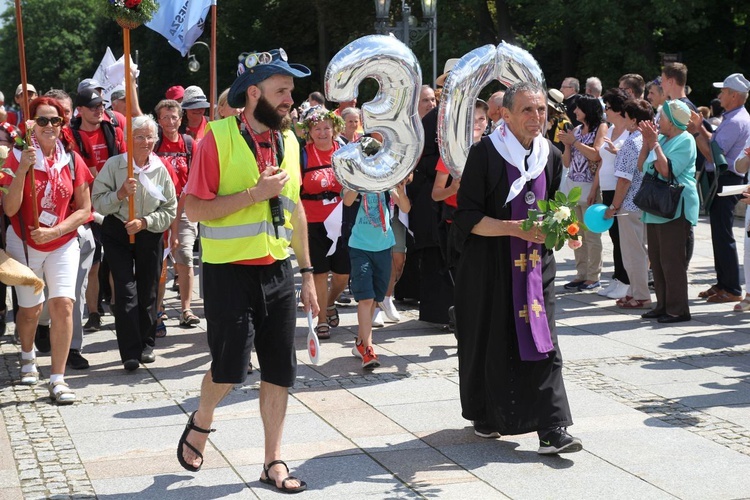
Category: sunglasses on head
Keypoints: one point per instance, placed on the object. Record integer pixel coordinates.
(43, 121)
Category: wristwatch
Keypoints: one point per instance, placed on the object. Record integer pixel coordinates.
(612, 207)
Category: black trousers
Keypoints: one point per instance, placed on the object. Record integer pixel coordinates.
(726, 261)
(135, 268)
(614, 233)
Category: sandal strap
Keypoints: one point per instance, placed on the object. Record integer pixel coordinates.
(194, 427)
(331, 308)
(271, 464)
(59, 387)
(27, 362)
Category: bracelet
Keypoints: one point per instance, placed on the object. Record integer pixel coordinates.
(59, 229)
(304, 270)
(250, 195)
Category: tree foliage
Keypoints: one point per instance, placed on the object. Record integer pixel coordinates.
(606, 38)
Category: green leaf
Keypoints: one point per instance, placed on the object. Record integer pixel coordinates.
(560, 197)
(574, 195)
(550, 241)
(560, 244)
(542, 205)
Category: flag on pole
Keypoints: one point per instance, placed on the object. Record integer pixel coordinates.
(181, 22)
(111, 73)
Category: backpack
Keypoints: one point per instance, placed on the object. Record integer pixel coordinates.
(112, 117)
(188, 147)
(110, 137)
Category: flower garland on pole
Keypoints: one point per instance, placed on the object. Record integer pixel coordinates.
(129, 14)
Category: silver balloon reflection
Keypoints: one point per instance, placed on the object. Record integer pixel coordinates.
(391, 114)
(456, 113)
(506, 63)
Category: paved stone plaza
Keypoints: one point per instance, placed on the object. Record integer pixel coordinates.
(663, 412)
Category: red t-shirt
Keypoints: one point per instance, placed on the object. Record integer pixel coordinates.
(178, 164)
(120, 118)
(198, 133)
(451, 201)
(96, 147)
(60, 202)
(203, 182)
(317, 181)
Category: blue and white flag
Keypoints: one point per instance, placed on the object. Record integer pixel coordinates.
(181, 22)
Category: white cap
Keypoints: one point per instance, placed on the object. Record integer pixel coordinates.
(29, 88)
(735, 81)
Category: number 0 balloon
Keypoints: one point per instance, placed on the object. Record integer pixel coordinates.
(506, 63)
(392, 113)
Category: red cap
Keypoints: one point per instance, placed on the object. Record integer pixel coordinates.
(175, 92)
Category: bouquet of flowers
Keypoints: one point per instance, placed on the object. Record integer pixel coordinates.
(130, 13)
(556, 219)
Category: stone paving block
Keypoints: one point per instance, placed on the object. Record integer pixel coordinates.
(429, 416)
(702, 395)
(151, 464)
(737, 414)
(98, 418)
(585, 403)
(595, 346)
(513, 467)
(211, 483)
(674, 460)
(409, 390)
(354, 423)
(648, 373)
(390, 442)
(335, 477)
(422, 468)
(328, 399)
(461, 491)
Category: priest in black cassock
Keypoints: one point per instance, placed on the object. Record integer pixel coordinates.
(510, 366)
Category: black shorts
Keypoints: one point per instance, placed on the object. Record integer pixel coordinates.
(246, 306)
(319, 243)
(96, 230)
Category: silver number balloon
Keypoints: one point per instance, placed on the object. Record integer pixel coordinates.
(392, 113)
(506, 63)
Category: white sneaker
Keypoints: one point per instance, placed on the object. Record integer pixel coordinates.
(390, 311)
(620, 291)
(604, 292)
(377, 318)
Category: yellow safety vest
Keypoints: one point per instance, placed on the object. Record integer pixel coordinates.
(248, 233)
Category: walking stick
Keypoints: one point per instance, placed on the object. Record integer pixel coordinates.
(25, 108)
(128, 119)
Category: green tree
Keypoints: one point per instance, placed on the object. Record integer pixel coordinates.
(59, 39)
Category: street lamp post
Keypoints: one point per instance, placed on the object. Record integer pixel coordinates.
(409, 30)
(194, 66)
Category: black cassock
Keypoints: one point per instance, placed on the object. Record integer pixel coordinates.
(498, 388)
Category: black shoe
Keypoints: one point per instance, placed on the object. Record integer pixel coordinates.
(42, 339)
(2, 323)
(76, 361)
(485, 431)
(652, 314)
(147, 355)
(100, 308)
(559, 441)
(573, 285)
(131, 364)
(175, 285)
(94, 323)
(674, 319)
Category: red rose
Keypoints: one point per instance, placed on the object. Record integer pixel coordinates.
(131, 4)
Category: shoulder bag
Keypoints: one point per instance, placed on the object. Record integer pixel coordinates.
(659, 197)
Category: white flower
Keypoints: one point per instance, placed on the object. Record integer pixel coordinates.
(561, 214)
(4, 152)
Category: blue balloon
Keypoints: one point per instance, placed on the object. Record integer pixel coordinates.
(594, 218)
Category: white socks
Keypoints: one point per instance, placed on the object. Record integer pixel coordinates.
(30, 367)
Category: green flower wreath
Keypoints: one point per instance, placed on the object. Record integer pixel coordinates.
(130, 13)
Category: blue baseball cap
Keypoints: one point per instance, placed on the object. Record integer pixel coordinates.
(254, 67)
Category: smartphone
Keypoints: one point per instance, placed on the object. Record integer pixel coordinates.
(568, 126)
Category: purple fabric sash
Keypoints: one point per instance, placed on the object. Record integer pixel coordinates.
(532, 328)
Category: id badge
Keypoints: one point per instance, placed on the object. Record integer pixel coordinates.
(48, 219)
(331, 202)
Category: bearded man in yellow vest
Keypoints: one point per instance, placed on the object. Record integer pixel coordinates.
(244, 190)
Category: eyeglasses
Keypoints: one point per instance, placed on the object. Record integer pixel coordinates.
(607, 107)
(249, 60)
(43, 121)
(95, 107)
(145, 138)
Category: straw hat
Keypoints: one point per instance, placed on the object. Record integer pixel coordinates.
(13, 273)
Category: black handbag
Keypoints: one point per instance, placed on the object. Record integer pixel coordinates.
(659, 197)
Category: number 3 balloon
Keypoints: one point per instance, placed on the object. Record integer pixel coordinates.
(392, 113)
(506, 63)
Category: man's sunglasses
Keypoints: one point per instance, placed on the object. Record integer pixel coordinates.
(43, 121)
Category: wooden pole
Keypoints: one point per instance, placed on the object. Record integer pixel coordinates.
(128, 121)
(212, 62)
(25, 108)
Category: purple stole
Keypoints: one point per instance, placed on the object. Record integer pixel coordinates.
(532, 328)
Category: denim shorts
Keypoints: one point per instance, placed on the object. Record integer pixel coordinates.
(371, 272)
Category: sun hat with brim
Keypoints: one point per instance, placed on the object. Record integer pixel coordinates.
(678, 113)
(254, 67)
(736, 82)
(29, 88)
(440, 81)
(194, 98)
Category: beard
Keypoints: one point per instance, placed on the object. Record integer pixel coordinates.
(269, 116)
